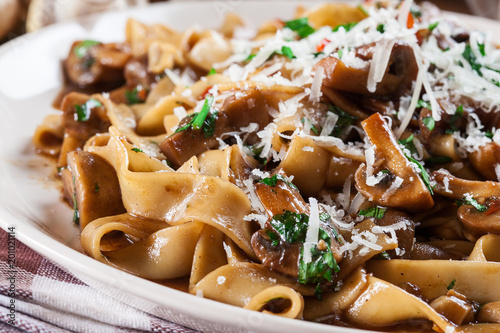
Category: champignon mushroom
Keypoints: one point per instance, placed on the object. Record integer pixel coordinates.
(91, 185)
(90, 63)
(401, 71)
(399, 186)
(485, 159)
(404, 228)
(280, 199)
(489, 313)
(237, 112)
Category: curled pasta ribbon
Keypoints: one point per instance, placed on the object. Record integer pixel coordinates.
(238, 283)
(160, 251)
(294, 310)
(433, 276)
(177, 197)
(486, 249)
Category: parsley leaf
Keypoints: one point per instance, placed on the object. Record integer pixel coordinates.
(381, 28)
(409, 144)
(286, 51)
(274, 237)
(433, 26)
(383, 256)
(423, 104)
(345, 120)
(211, 71)
(314, 129)
(459, 112)
(429, 122)
(347, 27)
(452, 284)
(205, 110)
(273, 180)
(375, 212)
(322, 265)
(471, 59)
(291, 226)
(471, 201)
(137, 150)
(489, 134)
(250, 57)
(83, 111)
(82, 48)
(300, 26)
(204, 120)
(136, 96)
(423, 174)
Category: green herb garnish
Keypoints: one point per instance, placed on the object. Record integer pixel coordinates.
(205, 110)
(83, 111)
(347, 26)
(273, 180)
(452, 284)
(381, 28)
(409, 144)
(300, 26)
(274, 237)
(292, 227)
(287, 52)
(438, 160)
(211, 71)
(375, 212)
(423, 174)
(96, 187)
(489, 134)
(136, 96)
(82, 48)
(429, 122)
(137, 150)
(314, 129)
(423, 104)
(471, 201)
(204, 120)
(345, 120)
(459, 112)
(433, 26)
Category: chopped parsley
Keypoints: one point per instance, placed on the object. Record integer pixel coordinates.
(423, 104)
(433, 26)
(471, 201)
(383, 256)
(347, 27)
(273, 180)
(314, 129)
(381, 28)
(409, 144)
(137, 150)
(274, 237)
(423, 174)
(136, 96)
(375, 212)
(211, 71)
(452, 284)
(469, 55)
(300, 26)
(287, 52)
(345, 120)
(489, 134)
(292, 228)
(82, 48)
(250, 57)
(429, 122)
(204, 120)
(83, 111)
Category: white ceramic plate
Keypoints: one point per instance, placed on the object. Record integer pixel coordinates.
(30, 77)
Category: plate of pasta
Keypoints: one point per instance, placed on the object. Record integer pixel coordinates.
(264, 166)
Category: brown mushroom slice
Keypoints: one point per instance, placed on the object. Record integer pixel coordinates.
(237, 112)
(283, 258)
(457, 188)
(485, 160)
(137, 73)
(477, 222)
(489, 313)
(277, 200)
(411, 194)
(404, 230)
(90, 63)
(402, 69)
(454, 306)
(93, 185)
(422, 251)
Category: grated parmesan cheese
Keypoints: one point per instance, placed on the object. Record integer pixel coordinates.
(312, 230)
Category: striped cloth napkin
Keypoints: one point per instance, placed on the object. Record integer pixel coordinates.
(50, 299)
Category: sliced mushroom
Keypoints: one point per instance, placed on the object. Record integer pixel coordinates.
(485, 159)
(91, 185)
(404, 229)
(278, 199)
(422, 251)
(457, 188)
(239, 112)
(401, 71)
(90, 63)
(489, 313)
(411, 194)
(137, 73)
(454, 307)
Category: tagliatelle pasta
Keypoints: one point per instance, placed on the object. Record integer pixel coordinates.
(340, 167)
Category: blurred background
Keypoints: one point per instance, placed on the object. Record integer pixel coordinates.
(20, 16)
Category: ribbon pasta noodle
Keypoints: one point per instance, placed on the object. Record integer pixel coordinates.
(341, 167)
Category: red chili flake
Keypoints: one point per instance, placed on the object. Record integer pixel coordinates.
(321, 46)
(202, 96)
(410, 22)
(494, 206)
